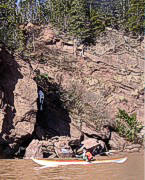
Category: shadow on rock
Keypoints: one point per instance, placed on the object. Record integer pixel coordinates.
(9, 76)
(52, 117)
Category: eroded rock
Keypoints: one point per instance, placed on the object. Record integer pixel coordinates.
(63, 149)
(18, 101)
(75, 133)
(132, 147)
(117, 78)
(34, 150)
(116, 142)
(89, 143)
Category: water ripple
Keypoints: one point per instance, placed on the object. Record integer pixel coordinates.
(24, 170)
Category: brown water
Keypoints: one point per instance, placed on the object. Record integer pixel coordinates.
(132, 169)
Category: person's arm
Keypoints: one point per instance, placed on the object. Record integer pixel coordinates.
(79, 156)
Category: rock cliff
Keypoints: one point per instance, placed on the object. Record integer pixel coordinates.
(82, 93)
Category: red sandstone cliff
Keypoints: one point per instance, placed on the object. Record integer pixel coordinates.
(109, 76)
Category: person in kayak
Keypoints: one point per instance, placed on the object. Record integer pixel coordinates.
(87, 156)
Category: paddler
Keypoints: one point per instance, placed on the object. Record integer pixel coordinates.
(87, 156)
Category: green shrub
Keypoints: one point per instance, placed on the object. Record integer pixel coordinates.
(128, 126)
(40, 77)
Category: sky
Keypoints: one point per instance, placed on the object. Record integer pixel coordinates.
(18, 2)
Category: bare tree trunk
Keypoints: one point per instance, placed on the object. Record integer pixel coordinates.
(33, 42)
(82, 50)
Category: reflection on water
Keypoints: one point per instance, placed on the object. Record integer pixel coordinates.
(132, 169)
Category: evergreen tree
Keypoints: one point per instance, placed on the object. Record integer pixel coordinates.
(97, 22)
(80, 18)
(47, 11)
(79, 25)
(41, 16)
(8, 21)
(60, 13)
(135, 17)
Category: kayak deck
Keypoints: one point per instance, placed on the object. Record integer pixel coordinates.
(55, 162)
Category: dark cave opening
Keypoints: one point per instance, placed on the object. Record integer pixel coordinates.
(52, 116)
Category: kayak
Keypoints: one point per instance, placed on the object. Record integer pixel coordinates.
(63, 162)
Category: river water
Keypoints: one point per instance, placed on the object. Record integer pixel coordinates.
(132, 169)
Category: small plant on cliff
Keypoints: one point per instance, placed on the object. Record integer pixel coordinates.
(128, 126)
(42, 76)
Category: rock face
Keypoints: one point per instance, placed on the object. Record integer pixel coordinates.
(18, 99)
(34, 150)
(108, 77)
(25, 104)
(47, 35)
(116, 142)
(122, 70)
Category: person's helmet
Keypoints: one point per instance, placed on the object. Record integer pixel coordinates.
(84, 149)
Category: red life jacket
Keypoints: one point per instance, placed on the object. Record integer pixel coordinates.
(89, 155)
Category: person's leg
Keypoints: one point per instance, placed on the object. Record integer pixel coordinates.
(85, 158)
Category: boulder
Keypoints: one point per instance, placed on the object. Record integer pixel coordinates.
(23, 129)
(34, 150)
(76, 143)
(132, 147)
(63, 149)
(48, 149)
(48, 145)
(103, 134)
(90, 143)
(116, 142)
(75, 133)
(93, 145)
(9, 150)
(29, 26)
(132, 150)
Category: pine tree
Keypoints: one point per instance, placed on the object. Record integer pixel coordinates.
(79, 25)
(60, 13)
(8, 21)
(97, 22)
(41, 17)
(135, 17)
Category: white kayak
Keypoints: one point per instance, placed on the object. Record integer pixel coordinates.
(63, 162)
